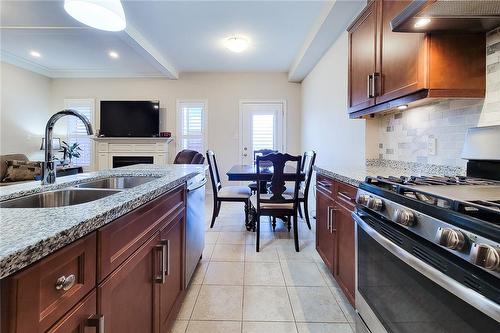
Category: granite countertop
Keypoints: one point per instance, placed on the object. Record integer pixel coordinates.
(29, 234)
(354, 175)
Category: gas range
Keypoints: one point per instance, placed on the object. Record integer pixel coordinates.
(459, 214)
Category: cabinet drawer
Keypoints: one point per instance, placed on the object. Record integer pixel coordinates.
(345, 195)
(324, 184)
(118, 240)
(38, 296)
(79, 317)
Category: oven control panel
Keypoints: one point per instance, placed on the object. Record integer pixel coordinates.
(473, 248)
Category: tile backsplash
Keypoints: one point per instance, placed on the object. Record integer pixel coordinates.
(435, 133)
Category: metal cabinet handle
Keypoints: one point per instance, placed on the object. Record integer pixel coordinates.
(324, 184)
(345, 196)
(369, 85)
(65, 282)
(332, 227)
(328, 218)
(97, 322)
(162, 249)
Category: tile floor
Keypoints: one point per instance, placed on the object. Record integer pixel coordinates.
(236, 289)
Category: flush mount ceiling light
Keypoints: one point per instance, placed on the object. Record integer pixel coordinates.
(422, 22)
(403, 107)
(236, 44)
(100, 14)
(113, 55)
(35, 54)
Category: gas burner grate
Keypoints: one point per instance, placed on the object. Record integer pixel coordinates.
(485, 210)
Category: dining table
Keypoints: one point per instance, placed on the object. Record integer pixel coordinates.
(248, 172)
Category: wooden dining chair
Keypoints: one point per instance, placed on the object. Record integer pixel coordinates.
(278, 203)
(226, 193)
(308, 160)
(259, 152)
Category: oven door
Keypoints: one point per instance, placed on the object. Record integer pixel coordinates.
(403, 284)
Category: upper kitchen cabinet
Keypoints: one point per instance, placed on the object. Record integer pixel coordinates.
(362, 59)
(388, 69)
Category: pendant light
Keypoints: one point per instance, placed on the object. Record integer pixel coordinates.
(100, 14)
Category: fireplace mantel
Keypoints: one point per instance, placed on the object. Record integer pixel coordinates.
(107, 148)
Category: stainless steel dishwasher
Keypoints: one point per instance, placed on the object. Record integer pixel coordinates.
(195, 223)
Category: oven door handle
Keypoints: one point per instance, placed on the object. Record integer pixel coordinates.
(468, 295)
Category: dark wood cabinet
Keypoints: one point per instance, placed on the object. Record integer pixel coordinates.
(172, 237)
(126, 298)
(82, 317)
(401, 61)
(335, 227)
(126, 277)
(324, 233)
(35, 298)
(388, 69)
(362, 59)
(344, 271)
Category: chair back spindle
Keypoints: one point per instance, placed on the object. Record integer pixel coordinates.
(214, 172)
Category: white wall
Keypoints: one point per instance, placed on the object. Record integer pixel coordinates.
(223, 91)
(326, 127)
(25, 98)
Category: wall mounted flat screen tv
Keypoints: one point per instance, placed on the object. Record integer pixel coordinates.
(130, 118)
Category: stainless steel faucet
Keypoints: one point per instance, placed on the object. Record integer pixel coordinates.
(49, 170)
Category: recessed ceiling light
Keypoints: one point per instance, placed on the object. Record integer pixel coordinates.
(35, 54)
(236, 44)
(421, 22)
(403, 107)
(113, 55)
(100, 14)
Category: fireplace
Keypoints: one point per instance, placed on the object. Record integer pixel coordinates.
(121, 161)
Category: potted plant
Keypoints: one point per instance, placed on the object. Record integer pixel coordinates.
(71, 150)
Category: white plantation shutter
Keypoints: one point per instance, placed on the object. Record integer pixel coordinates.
(76, 131)
(191, 125)
(262, 131)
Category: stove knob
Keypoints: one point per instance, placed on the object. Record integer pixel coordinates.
(376, 204)
(363, 199)
(486, 256)
(405, 217)
(452, 239)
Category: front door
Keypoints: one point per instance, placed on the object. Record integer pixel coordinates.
(261, 128)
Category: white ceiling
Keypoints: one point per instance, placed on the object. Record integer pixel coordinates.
(164, 38)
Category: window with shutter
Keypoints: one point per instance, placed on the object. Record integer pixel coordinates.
(76, 131)
(191, 125)
(262, 131)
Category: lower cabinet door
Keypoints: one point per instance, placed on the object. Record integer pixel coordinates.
(345, 264)
(324, 233)
(126, 298)
(80, 318)
(172, 236)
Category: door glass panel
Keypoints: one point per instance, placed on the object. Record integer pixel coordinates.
(262, 131)
(405, 301)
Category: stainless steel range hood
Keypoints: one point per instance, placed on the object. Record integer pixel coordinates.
(448, 15)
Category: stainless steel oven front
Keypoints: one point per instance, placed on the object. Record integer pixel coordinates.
(408, 285)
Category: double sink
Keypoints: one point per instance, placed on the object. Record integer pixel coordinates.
(77, 194)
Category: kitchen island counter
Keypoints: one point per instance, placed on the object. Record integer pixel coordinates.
(30, 234)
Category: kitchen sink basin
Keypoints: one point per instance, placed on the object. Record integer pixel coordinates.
(58, 198)
(118, 182)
